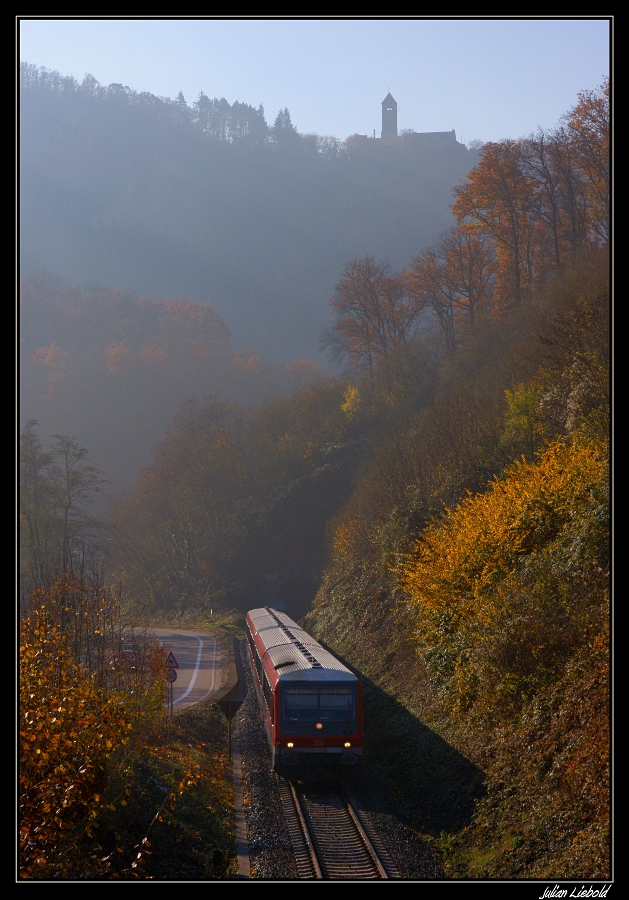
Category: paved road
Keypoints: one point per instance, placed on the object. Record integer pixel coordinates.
(202, 660)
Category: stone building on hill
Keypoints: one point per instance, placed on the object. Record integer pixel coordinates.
(420, 139)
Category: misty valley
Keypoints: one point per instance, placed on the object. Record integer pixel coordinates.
(365, 382)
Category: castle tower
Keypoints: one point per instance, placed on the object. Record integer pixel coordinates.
(389, 117)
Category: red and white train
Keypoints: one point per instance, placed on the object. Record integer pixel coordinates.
(311, 703)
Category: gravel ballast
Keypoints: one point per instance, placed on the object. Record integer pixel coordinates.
(270, 849)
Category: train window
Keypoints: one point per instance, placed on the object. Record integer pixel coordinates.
(300, 707)
(335, 705)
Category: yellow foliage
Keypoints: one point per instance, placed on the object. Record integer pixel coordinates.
(68, 729)
(73, 720)
(464, 555)
(352, 400)
(470, 609)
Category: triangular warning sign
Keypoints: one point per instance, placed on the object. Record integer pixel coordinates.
(171, 662)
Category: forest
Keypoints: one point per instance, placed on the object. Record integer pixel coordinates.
(208, 201)
(438, 513)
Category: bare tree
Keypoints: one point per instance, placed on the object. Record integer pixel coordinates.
(374, 314)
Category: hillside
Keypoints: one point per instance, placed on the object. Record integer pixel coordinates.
(468, 585)
(438, 515)
(136, 192)
(113, 368)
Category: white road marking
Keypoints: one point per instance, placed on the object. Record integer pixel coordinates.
(211, 690)
(196, 671)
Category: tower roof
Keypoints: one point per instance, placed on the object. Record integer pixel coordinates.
(388, 99)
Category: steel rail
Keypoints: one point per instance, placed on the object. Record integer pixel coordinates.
(331, 831)
(363, 834)
(305, 856)
(376, 841)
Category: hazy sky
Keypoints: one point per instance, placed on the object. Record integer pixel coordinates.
(487, 78)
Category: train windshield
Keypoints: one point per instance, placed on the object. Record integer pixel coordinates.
(319, 704)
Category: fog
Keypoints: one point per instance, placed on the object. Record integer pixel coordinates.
(120, 191)
(129, 195)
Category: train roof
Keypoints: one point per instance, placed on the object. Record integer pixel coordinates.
(292, 652)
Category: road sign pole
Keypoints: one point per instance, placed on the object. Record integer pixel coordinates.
(171, 677)
(231, 698)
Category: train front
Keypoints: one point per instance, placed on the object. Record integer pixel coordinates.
(319, 717)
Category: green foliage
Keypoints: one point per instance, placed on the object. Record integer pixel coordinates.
(524, 429)
(575, 338)
(109, 787)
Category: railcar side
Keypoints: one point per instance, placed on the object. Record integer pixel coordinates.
(310, 702)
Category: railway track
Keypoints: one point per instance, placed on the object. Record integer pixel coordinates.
(331, 836)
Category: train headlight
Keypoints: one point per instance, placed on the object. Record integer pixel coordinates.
(347, 744)
(318, 725)
(290, 744)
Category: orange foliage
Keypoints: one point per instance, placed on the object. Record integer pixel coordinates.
(55, 361)
(345, 539)
(118, 357)
(543, 197)
(78, 710)
(589, 127)
(497, 199)
(68, 730)
(154, 354)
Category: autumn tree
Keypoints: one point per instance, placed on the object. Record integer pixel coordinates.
(577, 347)
(470, 262)
(496, 589)
(497, 200)
(374, 314)
(524, 427)
(431, 283)
(563, 203)
(454, 278)
(588, 124)
(83, 702)
(542, 198)
(68, 731)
